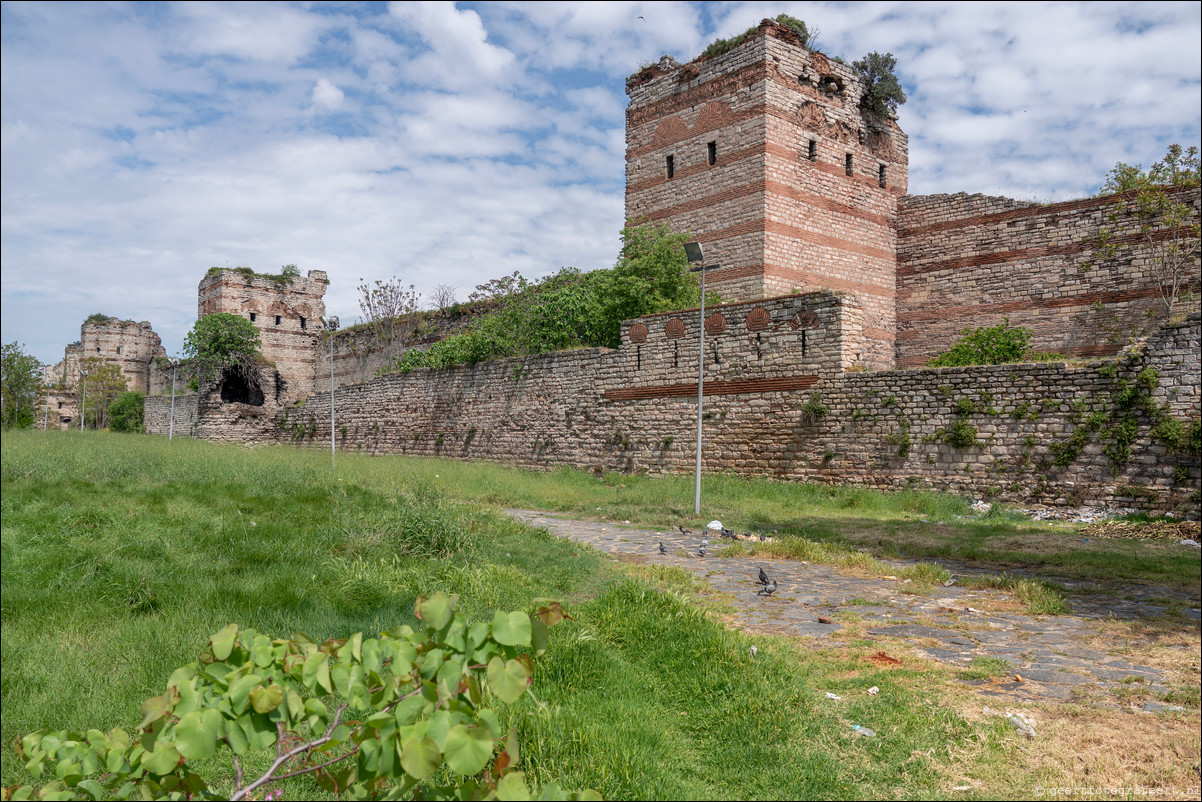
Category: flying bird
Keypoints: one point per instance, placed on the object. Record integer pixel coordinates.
(763, 580)
(767, 590)
(662, 549)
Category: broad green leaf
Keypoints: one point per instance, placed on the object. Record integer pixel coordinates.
(240, 689)
(436, 611)
(511, 629)
(94, 789)
(162, 760)
(437, 727)
(197, 732)
(223, 641)
(513, 787)
(477, 634)
(421, 758)
(264, 700)
(153, 709)
(552, 613)
(539, 634)
(372, 656)
(490, 720)
(317, 673)
(407, 710)
(507, 679)
(468, 749)
(318, 715)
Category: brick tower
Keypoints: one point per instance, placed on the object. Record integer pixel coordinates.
(286, 312)
(764, 155)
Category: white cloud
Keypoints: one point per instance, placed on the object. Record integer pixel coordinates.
(326, 96)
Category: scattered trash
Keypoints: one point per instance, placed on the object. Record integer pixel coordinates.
(830, 695)
(1018, 678)
(822, 620)
(1025, 726)
(949, 582)
(1191, 542)
(971, 610)
(889, 577)
(625, 522)
(882, 659)
(873, 691)
(961, 787)
(863, 731)
(752, 651)
(715, 525)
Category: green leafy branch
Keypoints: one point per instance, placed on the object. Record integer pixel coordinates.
(422, 701)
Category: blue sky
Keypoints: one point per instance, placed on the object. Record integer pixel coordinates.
(450, 143)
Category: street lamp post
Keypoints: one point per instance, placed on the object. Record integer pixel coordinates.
(330, 324)
(83, 402)
(46, 387)
(693, 252)
(171, 423)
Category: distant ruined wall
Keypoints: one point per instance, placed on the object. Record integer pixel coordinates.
(974, 260)
(132, 346)
(157, 415)
(779, 403)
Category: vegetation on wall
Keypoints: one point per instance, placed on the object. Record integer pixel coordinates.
(21, 382)
(570, 309)
(882, 91)
(720, 46)
(986, 345)
(287, 274)
(1167, 227)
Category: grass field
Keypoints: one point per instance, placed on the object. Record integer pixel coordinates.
(121, 554)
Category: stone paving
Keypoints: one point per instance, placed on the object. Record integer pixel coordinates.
(1049, 653)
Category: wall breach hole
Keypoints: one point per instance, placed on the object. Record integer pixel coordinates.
(235, 389)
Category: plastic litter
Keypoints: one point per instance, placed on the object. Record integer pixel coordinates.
(858, 730)
(1021, 723)
(715, 525)
(830, 695)
(873, 691)
(1191, 542)
(949, 582)
(752, 651)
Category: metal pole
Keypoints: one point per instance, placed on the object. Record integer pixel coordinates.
(83, 403)
(46, 387)
(700, 385)
(331, 400)
(171, 424)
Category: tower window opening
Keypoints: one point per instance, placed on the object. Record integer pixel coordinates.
(712, 153)
(847, 164)
(277, 320)
(813, 152)
(252, 317)
(671, 163)
(803, 342)
(638, 349)
(118, 350)
(880, 177)
(302, 323)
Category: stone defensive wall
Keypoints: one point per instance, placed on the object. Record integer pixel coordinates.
(156, 415)
(781, 402)
(974, 260)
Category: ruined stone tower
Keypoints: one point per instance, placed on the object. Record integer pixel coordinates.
(287, 313)
(764, 155)
(132, 346)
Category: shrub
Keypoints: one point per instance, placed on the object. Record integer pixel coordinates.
(987, 345)
(960, 434)
(125, 413)
(882, 91)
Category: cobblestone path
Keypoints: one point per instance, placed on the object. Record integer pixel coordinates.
(1048, 652)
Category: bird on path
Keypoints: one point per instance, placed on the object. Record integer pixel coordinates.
(763, 580)
(767, 590)
(683, 531)
(662, 549)
(701, 549)
(761, 537)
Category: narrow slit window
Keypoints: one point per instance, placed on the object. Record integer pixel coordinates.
(676, 356)
(302, 323)
(712, 153)
(277, 320)
(252, 317)
(639, 355)
(671, 162)
(118, 350)
(812, 155)
(847, 164)
(880, 177)
(803, 342)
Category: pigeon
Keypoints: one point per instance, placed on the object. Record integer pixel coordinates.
(662, 548)
(763, 580)
(701, 549)
(761, 537)
(683, 531)
(767, 590)
(728, 533)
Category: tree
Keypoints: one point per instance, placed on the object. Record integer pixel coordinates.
(443, 297)
(22, 386)
(882, 91)
(391, 310)
(126, 412)
(1167, 226)
(223, 342)
(98, 389)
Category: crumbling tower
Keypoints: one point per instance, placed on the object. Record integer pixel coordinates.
(764, 155)
(287, 312)
(132, 346)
